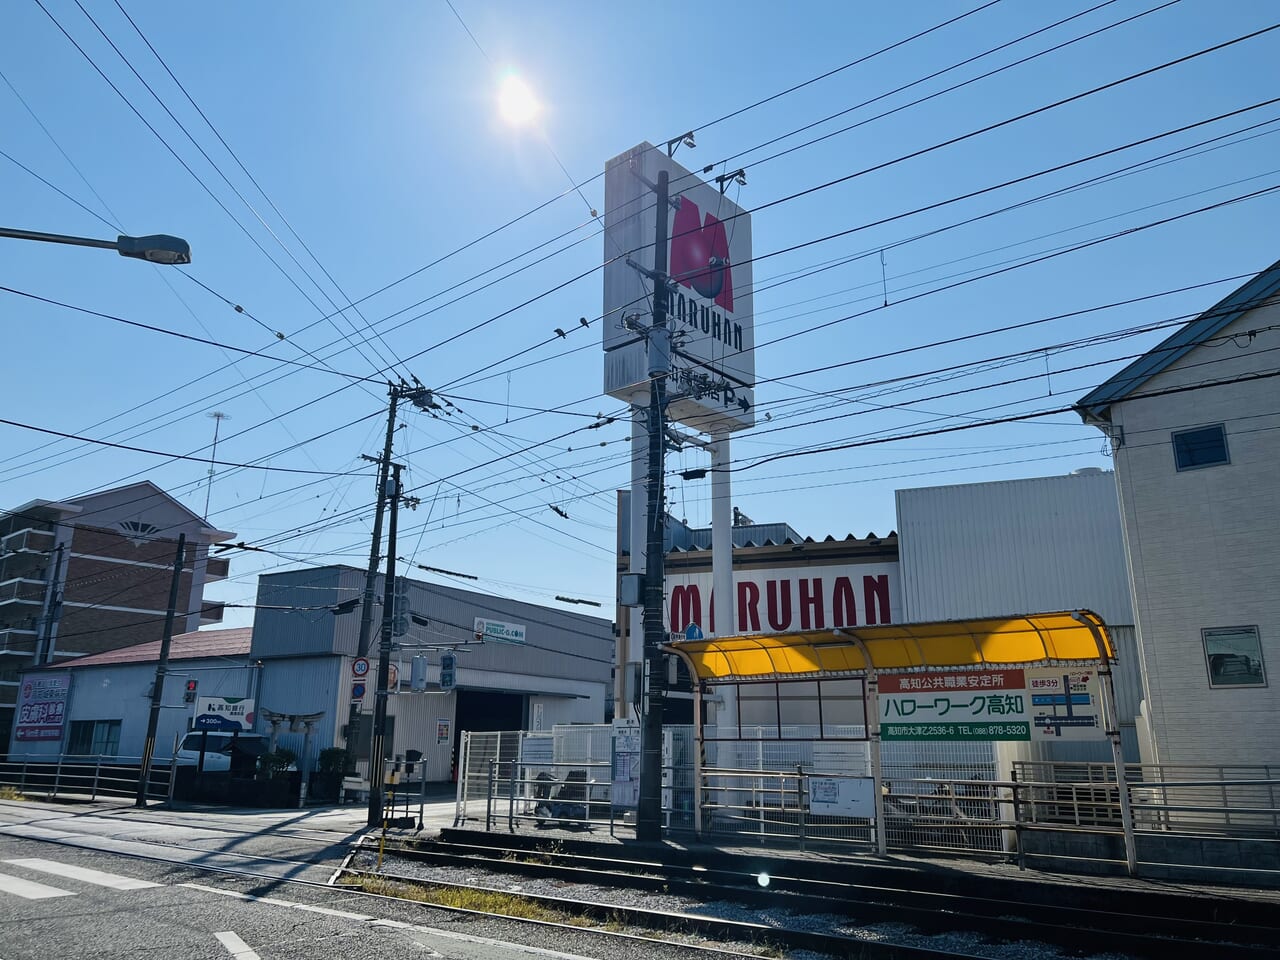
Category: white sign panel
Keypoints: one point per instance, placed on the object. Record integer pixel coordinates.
(710, 304)
(842, 797)
(790, 598)
(626, 765)
(223, 713)
(496, 631)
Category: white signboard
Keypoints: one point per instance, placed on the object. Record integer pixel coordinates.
(223, 713)
(790, 598)
(626, 765)
(495, 631)
(1009, 703)
(842, 796)
(42, 707)
(709, 306)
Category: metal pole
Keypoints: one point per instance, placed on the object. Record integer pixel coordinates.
(14, 234)
(1112, 721)
(157, 691)
(699, 757)
(649, 811)
(377, 746)
(44, 651)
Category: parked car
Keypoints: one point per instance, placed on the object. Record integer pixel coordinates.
(222, 751)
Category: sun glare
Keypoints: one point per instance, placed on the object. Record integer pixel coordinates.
(516, 101)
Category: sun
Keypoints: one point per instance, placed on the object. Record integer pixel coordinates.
(516, 101)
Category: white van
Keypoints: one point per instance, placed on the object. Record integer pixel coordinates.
(219, 746)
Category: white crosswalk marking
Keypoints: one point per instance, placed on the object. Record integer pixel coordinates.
(84, 874)
(236, 947)
(29, 889)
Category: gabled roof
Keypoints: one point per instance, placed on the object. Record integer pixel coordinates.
(1095, 406)
(151, 490)
(197, 645)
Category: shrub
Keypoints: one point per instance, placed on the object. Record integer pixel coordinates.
(335, 760)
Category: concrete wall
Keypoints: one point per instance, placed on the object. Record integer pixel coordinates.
(1204, 545)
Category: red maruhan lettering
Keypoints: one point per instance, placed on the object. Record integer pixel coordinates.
(790, 603)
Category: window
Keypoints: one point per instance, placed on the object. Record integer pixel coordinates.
(1205, 447)
(94, 738)
(1234, 657)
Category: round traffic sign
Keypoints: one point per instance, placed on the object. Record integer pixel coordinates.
(360, 666)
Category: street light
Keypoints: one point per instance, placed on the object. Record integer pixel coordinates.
(158, 248)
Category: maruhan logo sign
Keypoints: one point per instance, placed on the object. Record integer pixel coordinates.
(495, 631)
(791, 598)
(709, 300)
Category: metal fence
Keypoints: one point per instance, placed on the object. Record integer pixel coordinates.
(86, 777)
(1226, 801)
(948, 798)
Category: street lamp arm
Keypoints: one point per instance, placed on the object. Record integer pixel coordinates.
(156, 248)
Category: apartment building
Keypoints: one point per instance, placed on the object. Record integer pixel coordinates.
(92, 573)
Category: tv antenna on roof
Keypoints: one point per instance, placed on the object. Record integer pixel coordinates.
(218, 416)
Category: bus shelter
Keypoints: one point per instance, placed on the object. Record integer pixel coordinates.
(909, 653)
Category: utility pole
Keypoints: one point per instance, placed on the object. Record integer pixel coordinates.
(162, 667)
(649, 811)
(375, 550)
(377, 741)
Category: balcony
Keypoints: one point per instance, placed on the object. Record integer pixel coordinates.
(216, 568)
(211, 612)
(22, 590)
(28, 540)
(17, 642)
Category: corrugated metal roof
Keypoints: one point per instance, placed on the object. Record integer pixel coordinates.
(197, 645)
(1093, 405)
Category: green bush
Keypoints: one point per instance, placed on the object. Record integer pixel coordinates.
(335, 760)
(278, 763)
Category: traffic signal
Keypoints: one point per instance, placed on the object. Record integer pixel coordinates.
(190, 695)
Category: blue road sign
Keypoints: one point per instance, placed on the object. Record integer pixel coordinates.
(693, 632)
(448, 671)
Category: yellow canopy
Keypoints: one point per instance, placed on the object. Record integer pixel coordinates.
(1068, 636)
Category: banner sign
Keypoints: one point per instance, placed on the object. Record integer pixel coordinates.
(709, 306)
(224, 713)
(496, 631)
(42, 707)
(1042, 704)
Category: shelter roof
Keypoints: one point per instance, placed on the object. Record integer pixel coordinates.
(1068, 636)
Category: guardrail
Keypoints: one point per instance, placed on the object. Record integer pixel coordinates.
(88, 777)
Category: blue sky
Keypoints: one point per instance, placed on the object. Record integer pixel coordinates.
(373, 130)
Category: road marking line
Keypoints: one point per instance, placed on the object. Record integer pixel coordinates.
(309, 908)
(236, 947)
(29, 889)
(72, 872)
(393, 924)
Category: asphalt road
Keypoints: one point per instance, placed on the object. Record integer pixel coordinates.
(74, 886)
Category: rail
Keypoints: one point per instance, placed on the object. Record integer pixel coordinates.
(86, 776)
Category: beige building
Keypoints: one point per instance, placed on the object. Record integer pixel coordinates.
(1195, 429)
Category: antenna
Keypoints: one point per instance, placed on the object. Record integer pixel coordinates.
(218, 416)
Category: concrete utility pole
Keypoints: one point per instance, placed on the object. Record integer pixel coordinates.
(377, 741)
(162, 668)
(375, 550)
(649, 810)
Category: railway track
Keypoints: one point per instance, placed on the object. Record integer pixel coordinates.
(1074, 917)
